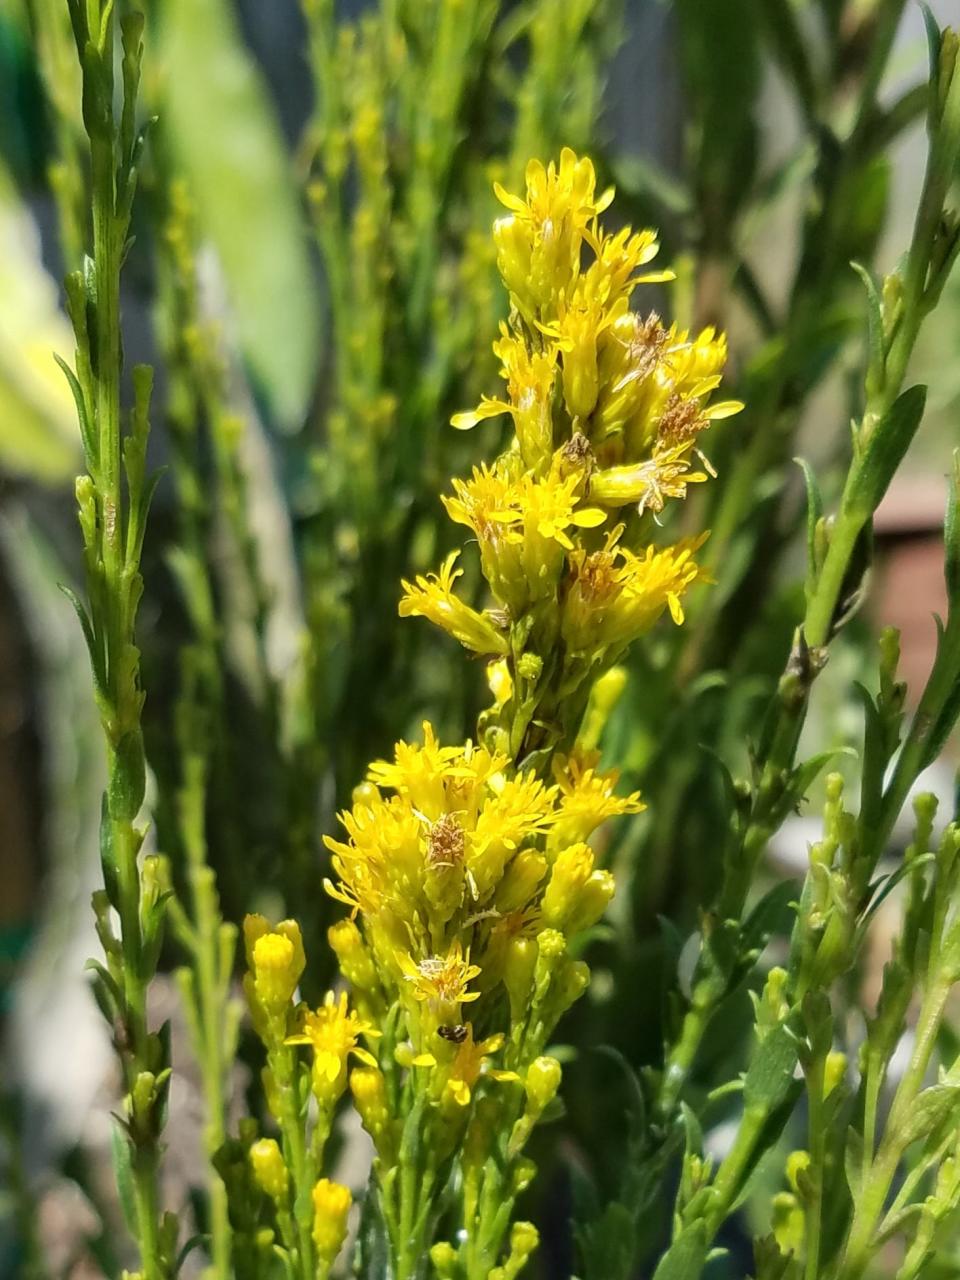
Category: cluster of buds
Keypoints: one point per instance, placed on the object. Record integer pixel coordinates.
(307, 1213)
(607, 406)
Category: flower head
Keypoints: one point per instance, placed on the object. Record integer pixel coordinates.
(587, 797)
(432, 596)
(441, 982)
(538, 244)
(471, 1062)
(615, 596)
(333, 1033)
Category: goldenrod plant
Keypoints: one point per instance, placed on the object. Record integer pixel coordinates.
(525, 994)
(467, 869)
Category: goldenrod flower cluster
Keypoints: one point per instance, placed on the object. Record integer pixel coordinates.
(468, 870)
(311, 1228)
(455, 864)
(607, 407)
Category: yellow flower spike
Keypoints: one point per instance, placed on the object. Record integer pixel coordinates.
(269, 1170)
(432, 597)
(331, 1205)
(333, 1034)
(278, 963)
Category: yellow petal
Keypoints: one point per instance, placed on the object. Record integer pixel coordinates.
(723, 409)
(589, 517)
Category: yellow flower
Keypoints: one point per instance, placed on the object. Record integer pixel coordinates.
(649, 484)
(441, 982)
(615, 596)
(470, 1063)
(269, 1171)
(432, 597)
(333, 1033)
(521, 523)
(538, 245)
(587, 798)
(530, 377)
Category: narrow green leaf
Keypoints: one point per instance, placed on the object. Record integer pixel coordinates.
(770, 1075)
(874, 320)
(123, 1174)
(885, 449)
(685, 1258)
(951, 534)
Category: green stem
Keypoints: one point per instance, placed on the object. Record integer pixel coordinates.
(817, 1143)
(869, 1204)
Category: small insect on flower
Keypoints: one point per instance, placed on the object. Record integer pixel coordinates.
(456, 1034)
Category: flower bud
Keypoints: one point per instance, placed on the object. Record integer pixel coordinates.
(530, 666)
(355, 961)
(269, 1170)
(369, 1089)
(254, 927)
(834, 1071)
(571, 871)
(593, 901)
(541, 1083)
(331, 1204)
(444, 1259)
(518, 971)
(276, 971)
(524, 1238)
(521, 880)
